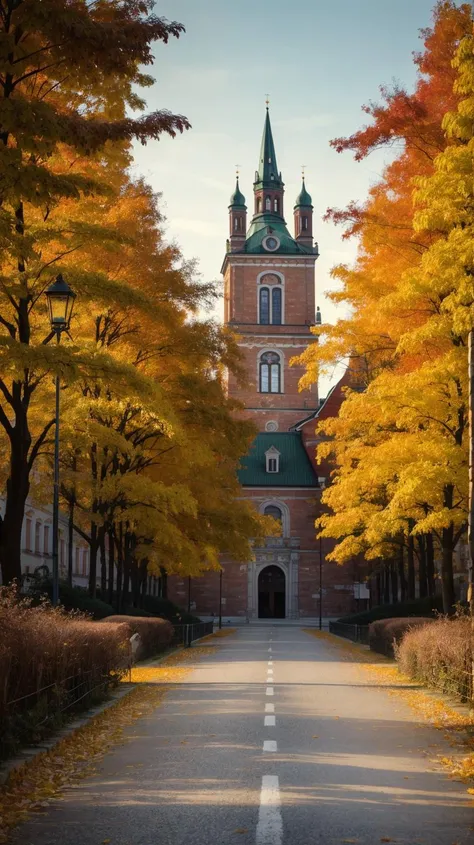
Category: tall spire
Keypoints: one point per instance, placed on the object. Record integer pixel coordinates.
(267, 175)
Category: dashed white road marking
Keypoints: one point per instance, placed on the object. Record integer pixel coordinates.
(270, 825)
(269, 708)
(270, 662)
(269, 722)
(269, 691)
(270, 745)
(270, 648)
(269, 672)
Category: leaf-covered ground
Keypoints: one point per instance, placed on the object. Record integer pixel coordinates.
(458, 727)
(31, 787)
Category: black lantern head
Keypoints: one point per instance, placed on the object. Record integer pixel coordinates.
(60, 304)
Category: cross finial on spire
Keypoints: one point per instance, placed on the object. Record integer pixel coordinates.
(267, 101)
(303, 168)
(237, 170)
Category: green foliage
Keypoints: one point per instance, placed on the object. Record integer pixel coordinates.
(76, 598)
(419, 607)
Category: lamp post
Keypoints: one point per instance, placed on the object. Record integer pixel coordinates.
(320, 583)
(60, 304)
(220, 599)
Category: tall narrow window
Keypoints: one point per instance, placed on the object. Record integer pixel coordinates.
(28, 533)
(276, 206)
(268, 204)
(259, 205)
(270, 373)
(37, 537)
(264, 306)
(46, 540)
(304, 221)
(276, 306)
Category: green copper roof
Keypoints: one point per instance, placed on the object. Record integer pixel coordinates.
(266, 224)
(295, 466)
(237, 199)
(303, 198)
(267, 174)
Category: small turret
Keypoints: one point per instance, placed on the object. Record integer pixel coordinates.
(237, 219)
(303, 213)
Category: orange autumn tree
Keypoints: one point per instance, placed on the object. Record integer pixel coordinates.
(70, 76)
(411, 415)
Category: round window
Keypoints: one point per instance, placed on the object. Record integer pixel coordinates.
(271, 426)
(271, 243)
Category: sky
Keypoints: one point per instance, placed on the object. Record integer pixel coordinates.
(318, 62)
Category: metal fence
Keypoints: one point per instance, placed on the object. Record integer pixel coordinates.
(356, 633)
(187, 634)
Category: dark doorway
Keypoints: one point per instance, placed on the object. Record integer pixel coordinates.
(271, 593)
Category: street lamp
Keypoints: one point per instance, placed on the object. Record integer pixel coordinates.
(60, 299)
(220, 599)
(320, 583)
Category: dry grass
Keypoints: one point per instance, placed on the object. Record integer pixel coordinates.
(51, 662)
(31, 787)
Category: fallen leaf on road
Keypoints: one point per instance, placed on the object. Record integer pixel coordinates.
(241, 830)
(315, 736)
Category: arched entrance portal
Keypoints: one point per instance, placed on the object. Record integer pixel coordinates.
(271, 593)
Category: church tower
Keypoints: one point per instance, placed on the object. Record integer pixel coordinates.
(270, 295)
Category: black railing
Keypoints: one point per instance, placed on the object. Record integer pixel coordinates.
(187, 634)
(356, 633)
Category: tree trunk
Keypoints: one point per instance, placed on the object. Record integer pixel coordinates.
(378, 588)
(386, 583)
(422, 567)
(110, 591)
(103, 564)
(394, 581)
(126, 572)
(411, 569)
(401, 574)
(163, 583)
(70, 542)
(119, 541)
(17, 489)
(447, 578)
(430, 566)
(94, 545)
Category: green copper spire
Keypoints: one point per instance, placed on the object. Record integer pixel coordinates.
(303, 198)
(267, 175)
(237, 199)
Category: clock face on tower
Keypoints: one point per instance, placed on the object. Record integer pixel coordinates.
(270, 243)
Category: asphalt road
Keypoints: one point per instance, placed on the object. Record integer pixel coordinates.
(272, 740)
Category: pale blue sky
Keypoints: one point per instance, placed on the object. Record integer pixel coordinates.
(319, 62)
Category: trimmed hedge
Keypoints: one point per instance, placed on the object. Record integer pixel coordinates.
(51, 665)
(440, 655)
(427, 607)
(385, 634)
(155, 634)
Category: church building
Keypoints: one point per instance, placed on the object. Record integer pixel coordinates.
(269, 289)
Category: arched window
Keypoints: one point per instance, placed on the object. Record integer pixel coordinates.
(259, 205)
(264, 306)
(268, 204)
(276, 306)
(272, 510)
(236, 224)
(304, 221)
(276, 206)
(270, 373)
